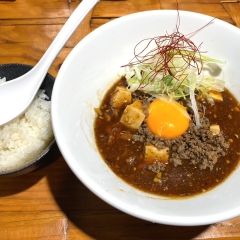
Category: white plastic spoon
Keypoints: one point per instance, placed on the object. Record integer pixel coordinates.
(16, 95)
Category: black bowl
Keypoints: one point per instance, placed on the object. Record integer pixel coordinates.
(14, 70)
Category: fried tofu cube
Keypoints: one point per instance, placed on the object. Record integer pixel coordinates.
(133, 115)
(137, 104)
(152, 154)
(216, 96)
(120, 97)
(215, 129)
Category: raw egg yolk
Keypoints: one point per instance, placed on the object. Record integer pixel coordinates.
(167, 119)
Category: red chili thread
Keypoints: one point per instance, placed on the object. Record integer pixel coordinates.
(168, 47)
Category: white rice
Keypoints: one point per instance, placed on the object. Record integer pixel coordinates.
(24, 138)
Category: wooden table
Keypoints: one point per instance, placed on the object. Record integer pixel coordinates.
(51, 203)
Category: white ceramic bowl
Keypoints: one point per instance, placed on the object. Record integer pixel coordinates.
(92, 67)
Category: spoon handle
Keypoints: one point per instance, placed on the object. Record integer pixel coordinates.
(65, 33)
(17, 95)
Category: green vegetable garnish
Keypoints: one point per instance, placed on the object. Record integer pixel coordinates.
(173, 67)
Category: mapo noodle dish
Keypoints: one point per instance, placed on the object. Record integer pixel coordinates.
(169, 126)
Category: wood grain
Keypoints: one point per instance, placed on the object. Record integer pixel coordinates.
(28, 9)
(51, 203)
(44, 225)
(233, 9)
(109, 9)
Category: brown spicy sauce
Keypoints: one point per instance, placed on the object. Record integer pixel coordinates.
(126, 157)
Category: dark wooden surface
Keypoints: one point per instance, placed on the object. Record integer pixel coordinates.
(51, 203)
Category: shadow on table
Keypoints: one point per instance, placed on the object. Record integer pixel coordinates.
(10, 185)
(98, 220)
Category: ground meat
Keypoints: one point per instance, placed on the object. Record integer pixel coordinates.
(199, 146)
(157, 167)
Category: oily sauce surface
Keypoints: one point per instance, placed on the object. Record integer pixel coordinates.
(126, 157)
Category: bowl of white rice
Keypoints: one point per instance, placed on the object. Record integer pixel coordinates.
(26, 141)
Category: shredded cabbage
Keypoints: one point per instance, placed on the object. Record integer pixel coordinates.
(183, 78)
